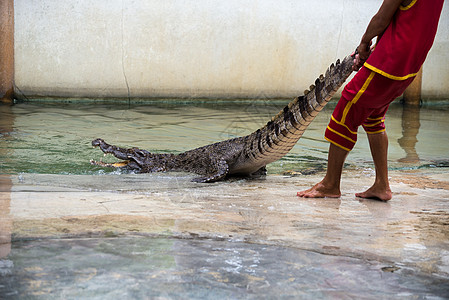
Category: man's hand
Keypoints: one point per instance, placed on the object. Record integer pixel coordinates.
(362, 54)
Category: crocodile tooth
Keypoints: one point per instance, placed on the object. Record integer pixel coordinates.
(321, 78)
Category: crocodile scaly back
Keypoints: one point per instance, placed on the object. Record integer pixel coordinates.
(278, 137)
(247, 155)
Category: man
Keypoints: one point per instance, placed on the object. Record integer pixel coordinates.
(405, 31)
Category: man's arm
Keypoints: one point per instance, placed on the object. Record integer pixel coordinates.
(376, 27)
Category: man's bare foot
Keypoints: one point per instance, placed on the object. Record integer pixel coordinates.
(383, 194)
(319, 190)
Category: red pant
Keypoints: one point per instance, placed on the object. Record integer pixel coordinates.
(364, 101)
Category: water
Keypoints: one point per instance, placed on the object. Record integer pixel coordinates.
(54, 138)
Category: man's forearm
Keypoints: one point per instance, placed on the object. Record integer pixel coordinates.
(375, 28)
(378, 23)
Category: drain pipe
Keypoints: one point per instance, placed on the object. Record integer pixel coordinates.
(412, 95)
(7, 51)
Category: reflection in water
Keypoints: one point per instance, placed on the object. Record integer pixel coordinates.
(410, 130)
(379, 209)
(5, 217)
(6, 125)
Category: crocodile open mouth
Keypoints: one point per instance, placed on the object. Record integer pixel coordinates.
(119, 164)
(109, 149)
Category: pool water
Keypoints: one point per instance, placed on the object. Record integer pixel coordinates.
(54, 137)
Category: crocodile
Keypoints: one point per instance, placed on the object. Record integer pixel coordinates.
(247, 155)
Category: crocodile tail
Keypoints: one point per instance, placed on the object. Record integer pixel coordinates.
(279, 135)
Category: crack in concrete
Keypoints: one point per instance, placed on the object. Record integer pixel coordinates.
(123, 53)
(341, 29)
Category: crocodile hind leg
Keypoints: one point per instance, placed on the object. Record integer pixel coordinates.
(220, 170)
(261, 172)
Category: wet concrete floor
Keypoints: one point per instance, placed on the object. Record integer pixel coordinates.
(160, 236)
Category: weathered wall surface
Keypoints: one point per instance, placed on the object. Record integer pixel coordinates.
(6, 50)
(193, 48)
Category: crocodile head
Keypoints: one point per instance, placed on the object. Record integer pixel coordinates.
(131, 158)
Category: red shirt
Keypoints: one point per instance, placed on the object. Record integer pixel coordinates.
(402, 49)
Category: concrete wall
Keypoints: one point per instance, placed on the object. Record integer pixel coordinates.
(193, 48)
